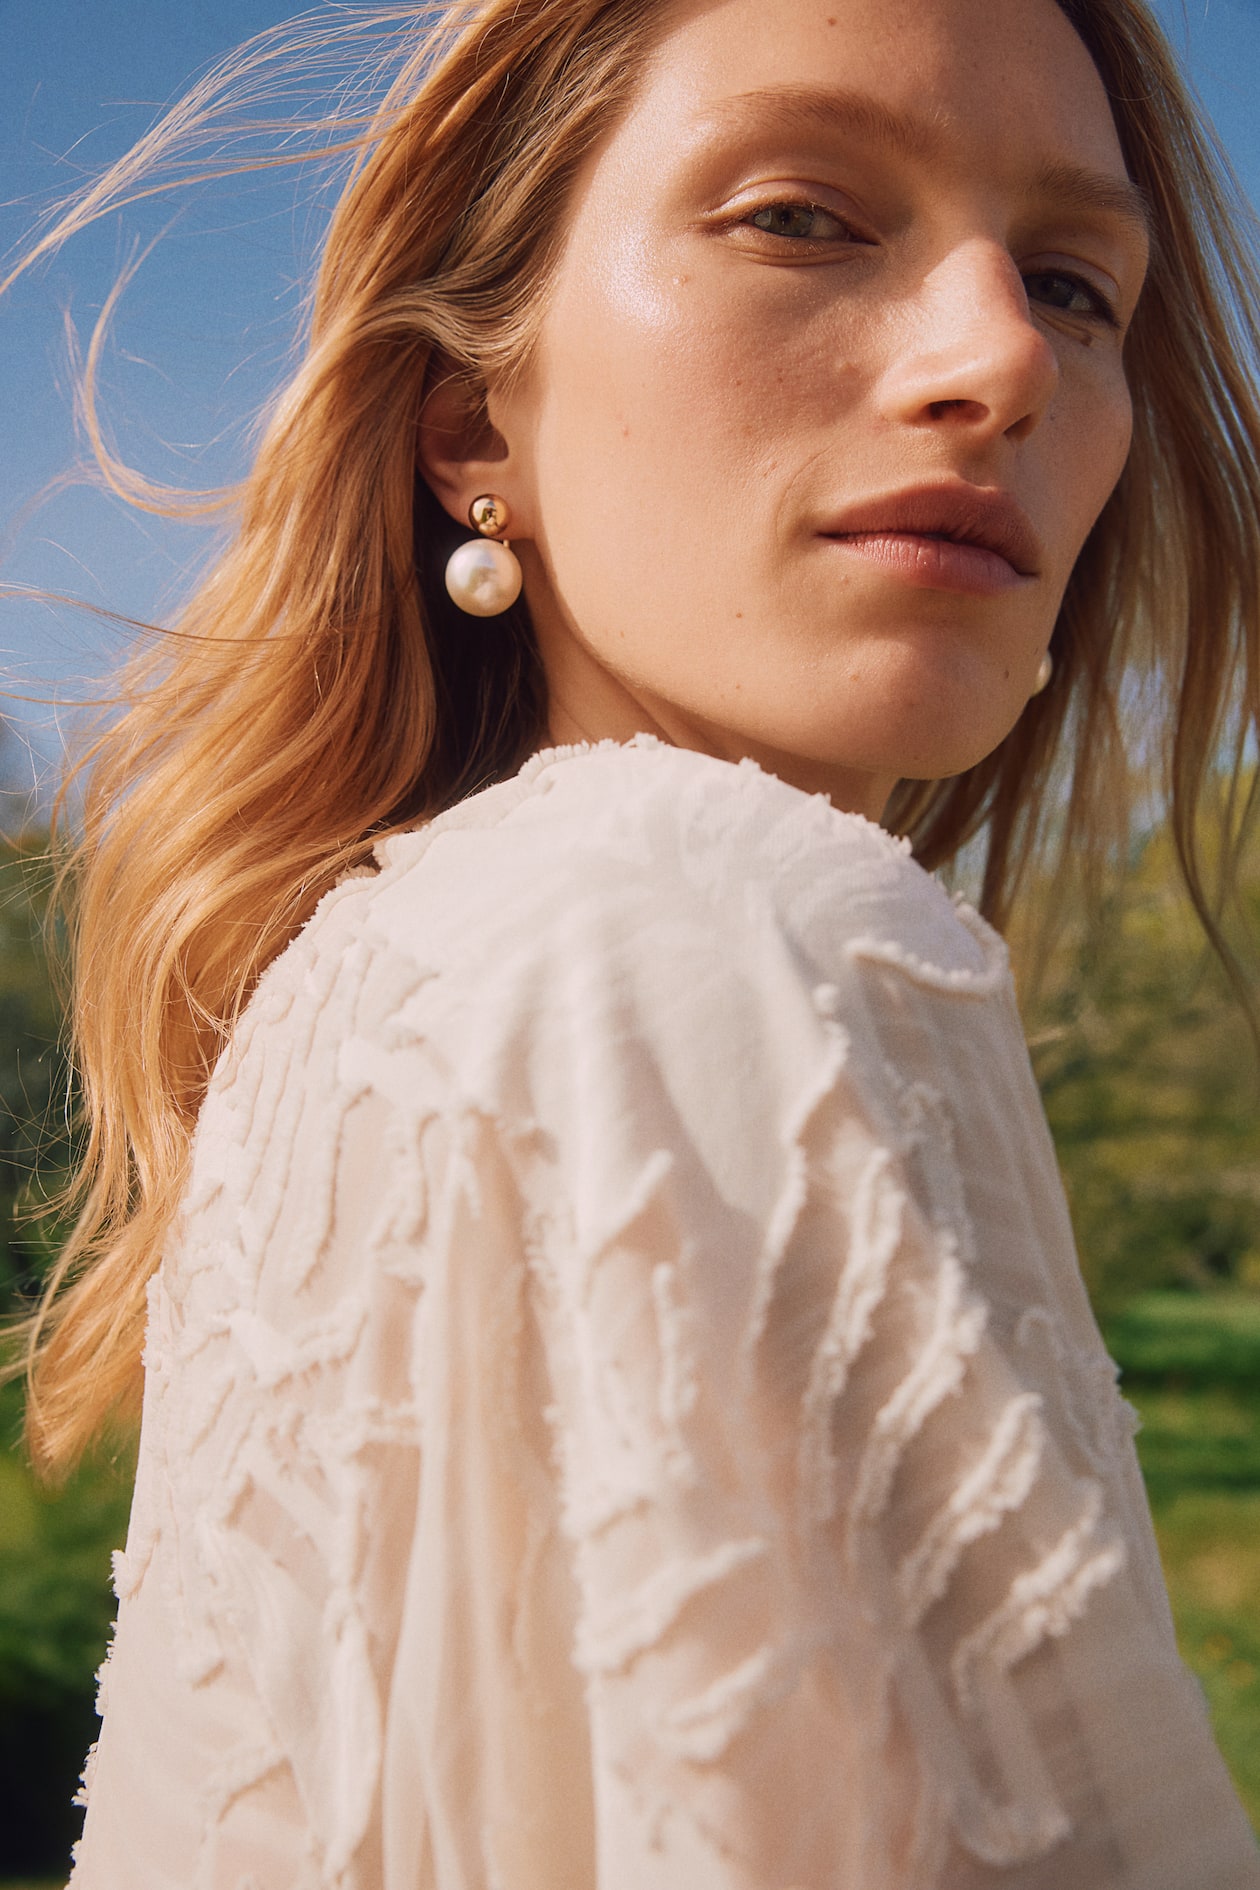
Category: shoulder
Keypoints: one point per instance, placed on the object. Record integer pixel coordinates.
(616, 909)
(627, 847)
(631, 895)
(622, 965)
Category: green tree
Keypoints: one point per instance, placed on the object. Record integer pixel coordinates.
(55, 1603)
(1151, 1083)
(34, 1078)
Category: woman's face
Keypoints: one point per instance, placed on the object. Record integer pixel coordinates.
(829, 389)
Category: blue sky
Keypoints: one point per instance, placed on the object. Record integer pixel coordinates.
(207, 327)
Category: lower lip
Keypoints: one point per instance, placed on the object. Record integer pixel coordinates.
(935, 564)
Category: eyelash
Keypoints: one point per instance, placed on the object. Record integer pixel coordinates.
(789, 206)
(1100, 309)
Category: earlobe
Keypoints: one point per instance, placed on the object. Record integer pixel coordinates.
(459, 451)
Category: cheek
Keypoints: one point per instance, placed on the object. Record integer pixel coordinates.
(629, 470)
(1117, 428)
(657, 380)
(1097, 434)
(683, 413)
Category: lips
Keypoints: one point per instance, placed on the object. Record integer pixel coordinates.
(914, 528)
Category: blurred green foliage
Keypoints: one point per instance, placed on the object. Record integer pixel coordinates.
(55, 1602)
(34, 1080)
(1191, 1365)
(56, 1605)
(1150, 1080)
(1203, 1343)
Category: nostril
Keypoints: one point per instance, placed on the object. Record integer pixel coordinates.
(943, 409)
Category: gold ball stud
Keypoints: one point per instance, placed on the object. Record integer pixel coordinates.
(489, 515)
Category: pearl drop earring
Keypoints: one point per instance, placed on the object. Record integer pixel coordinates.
(484, 576)
(1045, 670)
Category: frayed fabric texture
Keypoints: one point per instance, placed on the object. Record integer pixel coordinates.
(621, 1408)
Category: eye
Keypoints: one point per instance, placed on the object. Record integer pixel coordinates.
(799, 222)
(1072, 294)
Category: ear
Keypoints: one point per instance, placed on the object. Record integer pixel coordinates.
(459, 450)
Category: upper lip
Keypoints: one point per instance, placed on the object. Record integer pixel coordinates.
(965, 514)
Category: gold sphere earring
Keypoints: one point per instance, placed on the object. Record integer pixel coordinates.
(484, 576)
(1045, 670)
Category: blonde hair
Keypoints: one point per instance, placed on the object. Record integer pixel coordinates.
(316, 692)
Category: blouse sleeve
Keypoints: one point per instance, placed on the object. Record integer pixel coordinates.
(854, 1607)
(592, 1442)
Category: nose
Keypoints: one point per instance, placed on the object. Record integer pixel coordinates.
(970, 356)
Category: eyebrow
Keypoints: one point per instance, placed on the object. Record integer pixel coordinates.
(1077, 188)
(828, 109)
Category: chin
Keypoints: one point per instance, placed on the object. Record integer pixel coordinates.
(942, 761)
(946, 730)
(927, 744)
(925, 700)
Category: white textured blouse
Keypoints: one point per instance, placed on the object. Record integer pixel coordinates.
(622, 1411)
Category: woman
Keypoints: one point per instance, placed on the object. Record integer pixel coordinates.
(620, 1404)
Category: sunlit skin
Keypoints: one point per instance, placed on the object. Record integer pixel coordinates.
(835, 253)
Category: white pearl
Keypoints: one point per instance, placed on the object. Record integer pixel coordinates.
(483, 577)
(1045, 670)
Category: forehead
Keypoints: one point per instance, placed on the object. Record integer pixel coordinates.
(1007, 82)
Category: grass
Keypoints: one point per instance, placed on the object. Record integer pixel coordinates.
(1192, 1367)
